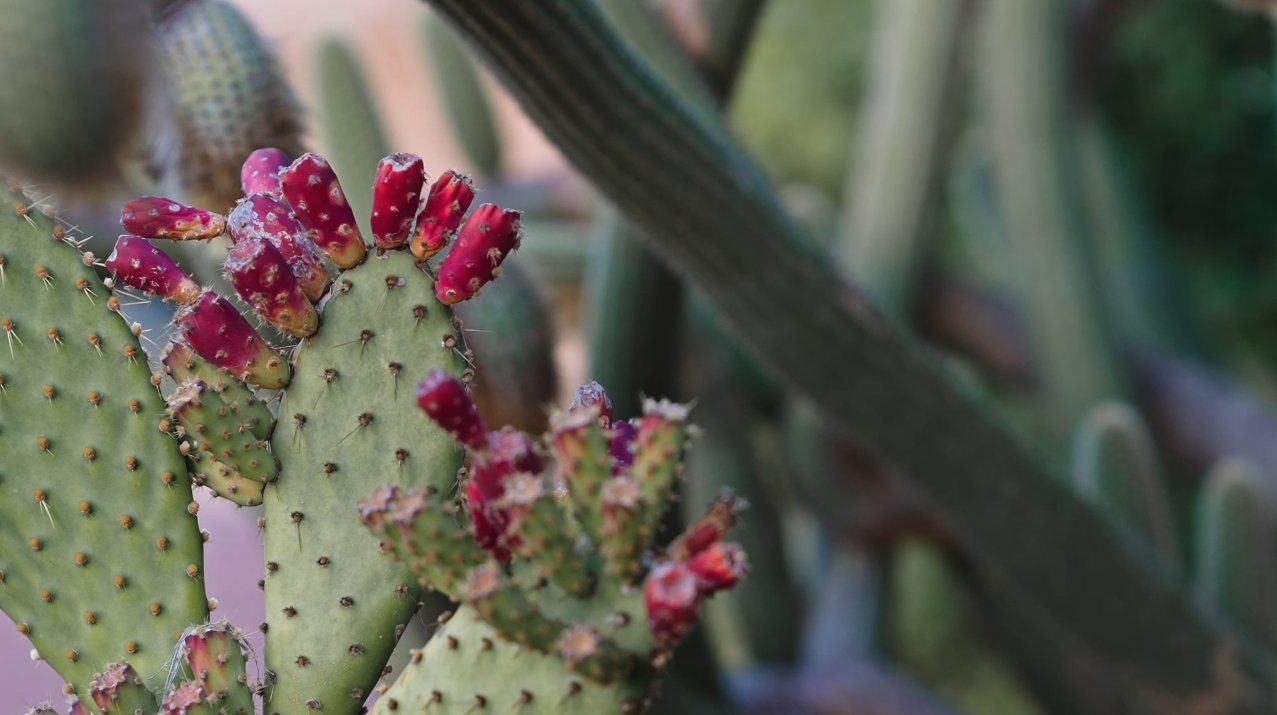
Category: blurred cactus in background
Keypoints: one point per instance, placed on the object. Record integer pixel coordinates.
(228, 97)
(959, 309)
(76, 79)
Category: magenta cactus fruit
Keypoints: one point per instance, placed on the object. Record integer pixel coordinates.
(262, 277)
(450, 198)
(719, 566)
(509, 452)
(592, 395)
(311, 187)
(141, 265)
(265, 217)
(485, 240)
(75, 707)
(672, 595)
(260, 173)
(216, 331)
(158, 217)
(445, 400)
(396, 198)
(623, 434)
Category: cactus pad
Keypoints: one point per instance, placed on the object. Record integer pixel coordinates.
(349, 423)
(101, 559)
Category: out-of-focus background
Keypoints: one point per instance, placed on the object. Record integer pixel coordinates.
(1074, 206)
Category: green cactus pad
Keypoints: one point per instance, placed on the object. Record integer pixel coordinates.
(212, 425)
(184, 366)
(101, 559)
(349, 423)
(226, 482)
(214, 656)
(228, 95)
(513, 679)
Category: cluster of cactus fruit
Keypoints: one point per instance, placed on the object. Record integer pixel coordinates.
(566, 603)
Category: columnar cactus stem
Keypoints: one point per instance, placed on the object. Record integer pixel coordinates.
(158, 217)
(140, 265)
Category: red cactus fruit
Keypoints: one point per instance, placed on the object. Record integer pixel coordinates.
(592, 395)
(106, 687)
(75, 707)
(450, 198)
(264, 217)
(719, 566)
(260, 172)
(141, 265)
(311, 187)
(158, 217)
(509, 452)
(185, 698)
(623, 434)
(218, 333)
(262, 277)
(485, 240)
(445, 400)
(396, 197)
(672, 595)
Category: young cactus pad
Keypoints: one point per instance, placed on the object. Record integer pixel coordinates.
(100, 559)
(560, 612)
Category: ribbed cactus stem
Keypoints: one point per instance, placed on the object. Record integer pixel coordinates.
(709, 211)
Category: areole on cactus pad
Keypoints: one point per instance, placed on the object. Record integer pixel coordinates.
(550, 560)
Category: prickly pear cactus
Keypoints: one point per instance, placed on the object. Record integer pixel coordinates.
(561, 612)
(101, 558)
(345, 420)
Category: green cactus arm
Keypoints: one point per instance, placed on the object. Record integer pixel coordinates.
(465, 100)
(352, 128)
(731, 25)
(1236, 526)
(1021, 57)
(101, 557)
(710, 213)
(1116, 468)
(895, 174)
